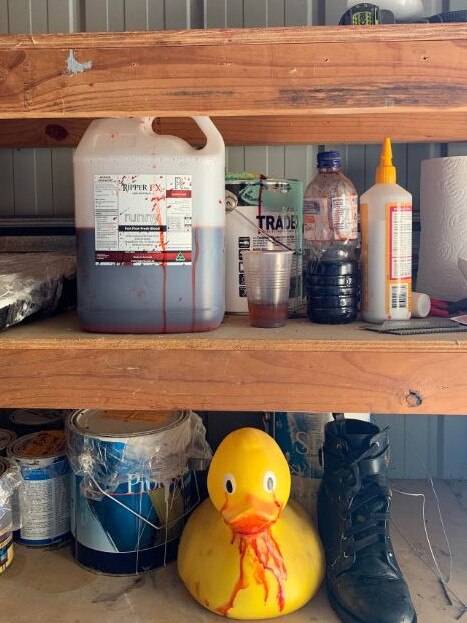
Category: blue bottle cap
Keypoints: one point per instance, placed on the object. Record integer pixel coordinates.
(329, 159)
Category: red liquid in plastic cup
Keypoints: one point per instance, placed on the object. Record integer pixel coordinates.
(267, 316)
(267, 279)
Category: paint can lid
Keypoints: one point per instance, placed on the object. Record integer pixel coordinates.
(41, 445)
(107, 423)
(38, 417)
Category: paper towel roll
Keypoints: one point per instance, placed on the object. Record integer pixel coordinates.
(443, 216)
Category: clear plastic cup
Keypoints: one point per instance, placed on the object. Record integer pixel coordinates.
(267, 280)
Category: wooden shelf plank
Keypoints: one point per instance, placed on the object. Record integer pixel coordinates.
(299, 367)
(432, 126)
(291, 71)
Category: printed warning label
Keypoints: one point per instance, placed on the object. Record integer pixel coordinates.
(143, 219)
(400, 241)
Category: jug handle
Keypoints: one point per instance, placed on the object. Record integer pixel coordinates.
(214, 140)
(146, 124)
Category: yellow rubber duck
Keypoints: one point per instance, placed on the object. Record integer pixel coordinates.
(245, 553)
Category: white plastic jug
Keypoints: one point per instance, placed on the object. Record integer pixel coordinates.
(150, 222)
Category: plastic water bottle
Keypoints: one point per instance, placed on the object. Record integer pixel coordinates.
(330, 220)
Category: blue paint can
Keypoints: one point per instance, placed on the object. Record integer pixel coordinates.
(44, 499)
(131, 490)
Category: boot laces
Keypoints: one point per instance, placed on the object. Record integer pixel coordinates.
(366, 505)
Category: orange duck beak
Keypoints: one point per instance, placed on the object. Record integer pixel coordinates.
(253, 516)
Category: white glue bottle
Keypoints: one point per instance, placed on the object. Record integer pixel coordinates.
(386, 224)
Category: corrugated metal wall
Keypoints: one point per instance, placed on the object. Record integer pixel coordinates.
(39, 181)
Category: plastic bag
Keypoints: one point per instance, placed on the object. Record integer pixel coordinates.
(35, 284)
(161, 457)
(10, 483)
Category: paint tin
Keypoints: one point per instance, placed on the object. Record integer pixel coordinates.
(300, 436)
(44, 499)
(7, 551)
(6, 438)
(6, 538)
(274, 205)
(27, 421)
(121, 520)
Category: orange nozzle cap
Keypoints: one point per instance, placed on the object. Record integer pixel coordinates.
(386, 172)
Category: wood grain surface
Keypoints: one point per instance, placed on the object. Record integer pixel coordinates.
(300, 367)
(354, 71)
(308, 129)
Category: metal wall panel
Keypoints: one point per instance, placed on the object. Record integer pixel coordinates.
(103, 15)
(458, 5)
(215, 13)
(431, 7)
(156, 15)
(184, 14)
(453, 447)
(63, 15)
(136, 15)
(414, 444)
(3, 16)
(121, 15)
(32, 168)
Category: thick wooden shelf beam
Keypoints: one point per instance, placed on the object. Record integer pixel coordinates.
(430, 126)
(299, 367)
(351, 71)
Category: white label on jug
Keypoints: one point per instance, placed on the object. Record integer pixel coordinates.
(143, 219)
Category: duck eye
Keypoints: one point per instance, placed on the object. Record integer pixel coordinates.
(229, 483)
(269, 481)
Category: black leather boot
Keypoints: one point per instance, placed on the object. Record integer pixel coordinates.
(364, 582)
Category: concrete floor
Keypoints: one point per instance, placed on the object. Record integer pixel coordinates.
(48, 587)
